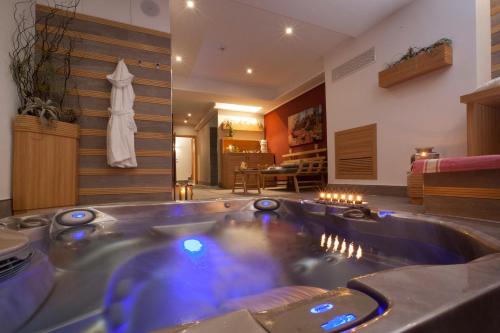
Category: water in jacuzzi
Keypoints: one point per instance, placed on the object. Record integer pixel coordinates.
(201, 265)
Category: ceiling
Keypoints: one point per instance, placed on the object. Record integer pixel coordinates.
(219, 39)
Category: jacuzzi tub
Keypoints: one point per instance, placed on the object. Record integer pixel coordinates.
(145, 267)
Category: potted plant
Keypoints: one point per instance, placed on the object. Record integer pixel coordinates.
(227, 127)
(416, 62)
(45, 137)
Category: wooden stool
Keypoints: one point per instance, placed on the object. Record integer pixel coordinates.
(244, 176)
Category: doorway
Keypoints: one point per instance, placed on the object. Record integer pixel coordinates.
(185, 159)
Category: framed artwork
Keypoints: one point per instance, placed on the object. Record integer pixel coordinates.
(305, 127)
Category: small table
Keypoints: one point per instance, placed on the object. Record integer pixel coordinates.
(244, 175)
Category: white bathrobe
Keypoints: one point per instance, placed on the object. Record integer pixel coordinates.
(121, 125)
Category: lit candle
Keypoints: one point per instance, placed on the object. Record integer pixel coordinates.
(322, 195)
(323, 237)
(342, 198)
(336, 244)
(359, 199)
(359, 253)
(183, 193)
(336, 197)
(350, 198)
(329, 197)
(350, 252)
(329, 242)
(343, 247)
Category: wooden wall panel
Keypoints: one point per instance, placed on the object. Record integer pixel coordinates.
(356, 153)
(495, 38)
(44, 166)
(97, 47)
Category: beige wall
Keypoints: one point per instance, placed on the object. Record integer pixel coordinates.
(8, 96)
(425, 111)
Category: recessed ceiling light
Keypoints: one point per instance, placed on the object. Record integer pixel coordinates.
(189, 114)
(289, 30)
(249, 71)
(178, 58)
(185, 121)
(237, 107)
(190, 4)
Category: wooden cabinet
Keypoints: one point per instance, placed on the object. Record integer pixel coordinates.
(44, 165)
(232, 161)
(483, 122)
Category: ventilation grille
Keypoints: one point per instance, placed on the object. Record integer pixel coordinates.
(10, 266)
(356, 153)
(355, 64)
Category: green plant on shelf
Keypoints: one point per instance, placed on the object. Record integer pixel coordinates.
(228, 126)
(415, 51)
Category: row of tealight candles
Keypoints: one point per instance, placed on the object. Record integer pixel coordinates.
(342, 198)
(333, 244)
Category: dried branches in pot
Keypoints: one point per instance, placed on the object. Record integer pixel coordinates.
(41, 58)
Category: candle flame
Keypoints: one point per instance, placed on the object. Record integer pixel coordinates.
(350, 197)
(329, 242)
(336, 196)
(350, 251)
(322, 195)
(343, 247)
(336, 244)
(359, 198)
(323, 237)
(359, 253)
(342, 197)
(328, 196)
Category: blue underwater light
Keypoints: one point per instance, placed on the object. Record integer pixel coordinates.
(78, 215)
(265, 203)
(384, 213)
(321, 308)
(338, 321)
(193, 245)
(79, 235)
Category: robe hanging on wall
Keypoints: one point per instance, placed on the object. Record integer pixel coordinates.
(121, 125)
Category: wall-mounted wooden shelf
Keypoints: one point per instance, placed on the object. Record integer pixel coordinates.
(247, 128)
(440, 57)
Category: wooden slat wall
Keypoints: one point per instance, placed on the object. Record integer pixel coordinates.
(495, 38)
(356, 153)
(99, 44)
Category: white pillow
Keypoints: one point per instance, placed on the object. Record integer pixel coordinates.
(488, 85)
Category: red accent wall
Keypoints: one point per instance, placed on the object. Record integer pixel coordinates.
(276, 122)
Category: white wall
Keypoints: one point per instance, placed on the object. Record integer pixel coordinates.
(425, 111)
(184, 130)
(8, 96)
(184, 158)
(126, 11)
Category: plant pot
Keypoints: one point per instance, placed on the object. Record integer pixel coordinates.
(44, 164)
(441, 56)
